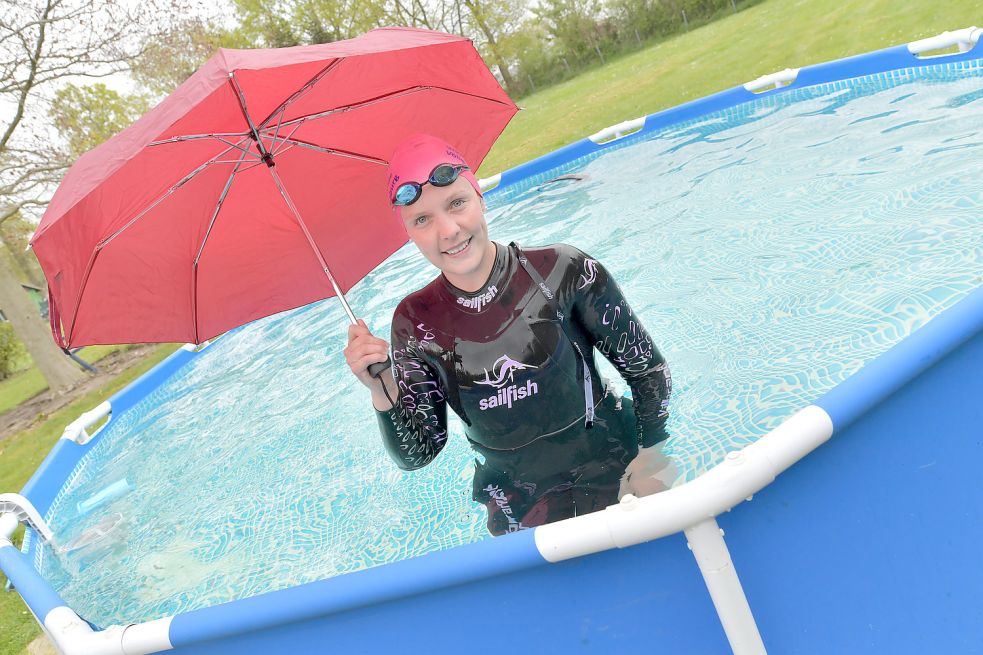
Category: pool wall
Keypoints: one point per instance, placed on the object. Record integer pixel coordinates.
(831, 558)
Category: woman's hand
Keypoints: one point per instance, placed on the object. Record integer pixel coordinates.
(364, 349)
(649, 473)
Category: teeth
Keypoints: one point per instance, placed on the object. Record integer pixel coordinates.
(454, 251)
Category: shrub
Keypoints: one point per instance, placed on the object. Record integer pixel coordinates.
(11, 349)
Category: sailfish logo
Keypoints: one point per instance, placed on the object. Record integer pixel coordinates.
(504, 381)
(506, 367)
(589, 274)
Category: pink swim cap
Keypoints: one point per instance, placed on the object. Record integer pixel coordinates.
(416, 157)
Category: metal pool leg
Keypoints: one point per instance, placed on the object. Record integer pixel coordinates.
(707, 543)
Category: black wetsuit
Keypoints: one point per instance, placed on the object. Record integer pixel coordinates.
(505, 359)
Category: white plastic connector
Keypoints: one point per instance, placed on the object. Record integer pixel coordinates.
(728, 484)
(8, 524)
(197, 348)
(489, 183)
(963, 39)
(76, 430)
(24, 512)
(148, 637)
(615, 132)
(772, 81)
(73, 636)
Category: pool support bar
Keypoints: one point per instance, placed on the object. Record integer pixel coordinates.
(824, 537)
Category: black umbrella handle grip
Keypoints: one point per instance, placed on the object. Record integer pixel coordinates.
(375, 370)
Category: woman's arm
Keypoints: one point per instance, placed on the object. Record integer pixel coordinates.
(414, 430)
(602, 310)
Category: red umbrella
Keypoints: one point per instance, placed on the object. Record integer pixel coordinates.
(256, 187)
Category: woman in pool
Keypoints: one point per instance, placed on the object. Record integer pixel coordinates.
(506, 337)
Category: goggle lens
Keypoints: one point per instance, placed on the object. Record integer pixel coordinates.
(443, 175)
(407, 194)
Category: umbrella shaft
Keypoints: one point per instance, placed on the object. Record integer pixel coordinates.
(341, 296)
(310, 240)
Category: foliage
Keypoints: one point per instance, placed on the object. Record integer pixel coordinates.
(279, 23)
(88, 115)
(43, 44)
(573, 26)
(15, 233)
(530, 44)
(175, 53)
(11, 350)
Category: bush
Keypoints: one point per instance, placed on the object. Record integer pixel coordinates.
(11, 350)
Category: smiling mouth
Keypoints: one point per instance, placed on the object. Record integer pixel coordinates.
(458, 249)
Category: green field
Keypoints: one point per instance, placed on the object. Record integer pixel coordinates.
(762, 39)
(27, 381)
(767, 37)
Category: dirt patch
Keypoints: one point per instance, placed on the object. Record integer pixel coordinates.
(41, 646)
(43, 405)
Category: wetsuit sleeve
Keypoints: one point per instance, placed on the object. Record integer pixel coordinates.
(414, 431)
(617, 333)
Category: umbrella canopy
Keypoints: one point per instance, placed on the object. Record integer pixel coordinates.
(229, 200)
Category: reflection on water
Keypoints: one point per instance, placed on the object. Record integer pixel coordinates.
(771, 250)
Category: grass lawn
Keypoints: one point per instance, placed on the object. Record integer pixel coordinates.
(27, 382)
(762, 39)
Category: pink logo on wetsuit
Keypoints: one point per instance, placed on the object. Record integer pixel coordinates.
(504, 381)
(478, 302)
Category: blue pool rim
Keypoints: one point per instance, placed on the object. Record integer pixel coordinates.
(871, 384)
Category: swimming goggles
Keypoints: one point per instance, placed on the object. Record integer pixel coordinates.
(443, 175)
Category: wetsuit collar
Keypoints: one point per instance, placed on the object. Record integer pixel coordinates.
(474, 302)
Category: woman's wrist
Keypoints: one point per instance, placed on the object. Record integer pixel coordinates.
(383, 400)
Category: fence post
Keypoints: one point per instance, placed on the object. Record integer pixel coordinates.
(685, 21)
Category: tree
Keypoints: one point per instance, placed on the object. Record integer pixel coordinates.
(493, 20)
(174, 54)
(43, 44)
(15, 233)
(88, 115)
(573, 24)
(280, 23)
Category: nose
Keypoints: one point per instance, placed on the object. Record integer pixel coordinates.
(447, 227)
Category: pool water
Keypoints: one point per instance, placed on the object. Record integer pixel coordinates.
(771, 249)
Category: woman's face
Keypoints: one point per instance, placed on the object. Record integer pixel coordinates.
(448, 225)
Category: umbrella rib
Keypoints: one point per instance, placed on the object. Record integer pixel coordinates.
(298, 93)
(388, 96)
(334, 151)
(102, 244)
(187, 178)
(357, 105)
(192, 137)
(265, 154)
(78, 299)
(276, 135)
(217, 137)
(201, 248)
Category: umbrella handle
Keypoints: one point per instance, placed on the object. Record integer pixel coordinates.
(375, 370)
